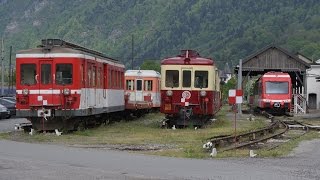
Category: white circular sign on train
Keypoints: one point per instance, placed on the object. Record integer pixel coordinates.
(186, 94)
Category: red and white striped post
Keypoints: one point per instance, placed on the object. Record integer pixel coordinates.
(235, 97)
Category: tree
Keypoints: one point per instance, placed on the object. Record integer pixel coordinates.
(150, 65)
(231, 84)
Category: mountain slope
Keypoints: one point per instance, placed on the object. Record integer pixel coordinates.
(225, 30)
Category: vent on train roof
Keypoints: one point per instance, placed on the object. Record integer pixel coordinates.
(48, 44)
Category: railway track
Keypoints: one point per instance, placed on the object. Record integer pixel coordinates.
(274, 130)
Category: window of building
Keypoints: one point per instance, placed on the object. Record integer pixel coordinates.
(201, 79)
(28, 74)
(172, 78)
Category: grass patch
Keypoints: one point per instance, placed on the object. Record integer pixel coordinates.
(146, 131)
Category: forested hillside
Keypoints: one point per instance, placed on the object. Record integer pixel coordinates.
(226, 30)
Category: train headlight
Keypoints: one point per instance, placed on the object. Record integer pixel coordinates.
(66, 91)
(169, 93)
(25, 92)
(203, 93)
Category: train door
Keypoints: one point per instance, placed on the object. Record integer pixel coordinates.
(45, 83)
(89, 89)
(138, 91)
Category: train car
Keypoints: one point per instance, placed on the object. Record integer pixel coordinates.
(60, 85)
(142, 90)
(190, 89)
(272, 93)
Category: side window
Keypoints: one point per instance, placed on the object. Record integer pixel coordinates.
(113, 78)
(98, 77)
(109, 77)
(121, 79)
(64, 74)
(28, 74)
(186, 81)
(172, 78)
(89, 76)
(201, 79)
(81, 75)
(148, 85)
(94, 69)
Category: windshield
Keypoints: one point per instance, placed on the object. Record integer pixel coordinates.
(64, 74)
(201, 79)
(277, 88)
(172, 78)
(28, 74)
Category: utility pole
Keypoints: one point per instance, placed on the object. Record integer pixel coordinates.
(132, 43)
(10, 74)
(240, 84)
(2, 68)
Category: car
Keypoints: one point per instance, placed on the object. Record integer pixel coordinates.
(4, 112)
(9, 103)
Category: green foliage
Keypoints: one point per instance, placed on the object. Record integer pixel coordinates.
(150, 65)
(231, 84)
(224, 30)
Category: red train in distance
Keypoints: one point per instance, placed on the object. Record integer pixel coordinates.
(190, 89)
(272, 93)
(60, 85)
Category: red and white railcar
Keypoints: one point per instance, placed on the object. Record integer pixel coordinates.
(273, 92)
(190, 89)
(60, 85)
(142, 89)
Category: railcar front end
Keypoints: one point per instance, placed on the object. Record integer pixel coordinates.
(190, 89)
(62, 86)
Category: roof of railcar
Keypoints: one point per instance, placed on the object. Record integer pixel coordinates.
(59, 48)
(60, 52)
(275, 75)
(142, 73)
(187, 57)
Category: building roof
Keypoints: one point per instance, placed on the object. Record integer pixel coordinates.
(272, 58)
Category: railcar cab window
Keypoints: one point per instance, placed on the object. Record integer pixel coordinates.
(28, 74)
(64, 74)
(201, 79)
(186, 82)
(148, 85)
(277, 87)
(130, 85)
(172, 78)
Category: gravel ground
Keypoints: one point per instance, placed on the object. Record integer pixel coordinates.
(41, 161)
(7, 125)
